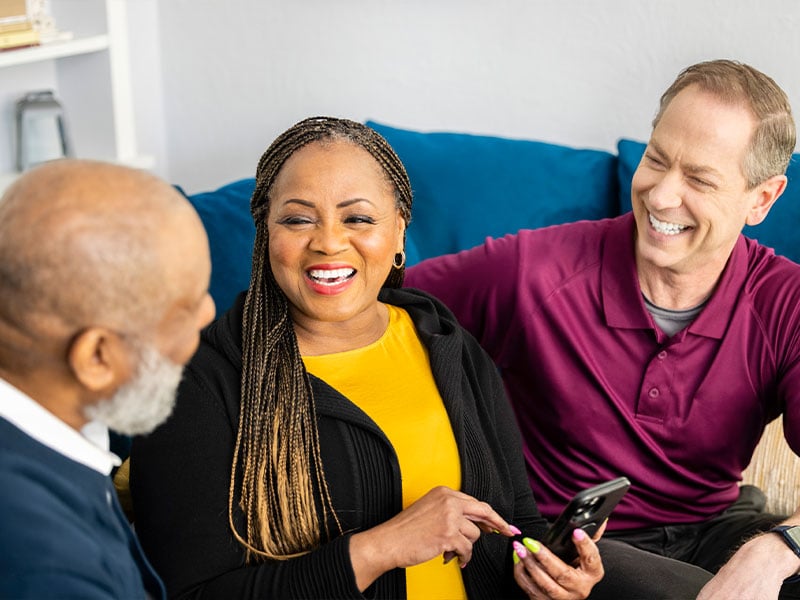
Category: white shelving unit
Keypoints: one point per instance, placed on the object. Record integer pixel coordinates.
(90, 75)
(54, 50)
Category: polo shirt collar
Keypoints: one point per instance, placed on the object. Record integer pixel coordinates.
(622, 301)
(621, 294)
(85, 447)
(716, 315)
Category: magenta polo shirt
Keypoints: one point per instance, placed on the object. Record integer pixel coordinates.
(600, 391)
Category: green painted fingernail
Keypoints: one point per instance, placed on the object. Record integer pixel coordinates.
(531, 545)
(515, 558)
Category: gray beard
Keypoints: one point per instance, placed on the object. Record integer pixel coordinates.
(144, 402)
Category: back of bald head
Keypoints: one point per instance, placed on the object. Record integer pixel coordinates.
(81, 244)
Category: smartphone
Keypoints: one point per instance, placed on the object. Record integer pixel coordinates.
(587, 510)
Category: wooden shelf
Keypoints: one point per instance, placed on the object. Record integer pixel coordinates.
(53, 50)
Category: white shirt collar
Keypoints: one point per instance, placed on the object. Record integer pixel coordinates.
(88, 447)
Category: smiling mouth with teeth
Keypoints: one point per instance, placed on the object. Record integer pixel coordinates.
(330, 276)
(666, 228)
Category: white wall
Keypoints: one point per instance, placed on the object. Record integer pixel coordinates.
(235, 73)
(147, 78)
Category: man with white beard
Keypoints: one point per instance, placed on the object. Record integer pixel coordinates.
(104, 274)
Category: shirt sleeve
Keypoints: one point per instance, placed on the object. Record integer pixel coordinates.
(49, 582)
(776, 298)
(501, 431)
(180, 486)
(526, 513)
(479, 286)
(789, 391)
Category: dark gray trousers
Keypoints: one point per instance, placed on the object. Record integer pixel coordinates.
(674, 562)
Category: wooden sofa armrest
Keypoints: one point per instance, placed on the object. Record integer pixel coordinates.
(775, 469)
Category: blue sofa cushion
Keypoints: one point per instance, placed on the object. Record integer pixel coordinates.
(778, 230)
(225, 213)
(629, 153)
(467, 187)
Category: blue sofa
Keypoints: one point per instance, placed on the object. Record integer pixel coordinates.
(467, 187)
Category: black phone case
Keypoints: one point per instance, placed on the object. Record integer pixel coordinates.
(587, 510)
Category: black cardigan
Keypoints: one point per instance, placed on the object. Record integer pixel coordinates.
(180, 473)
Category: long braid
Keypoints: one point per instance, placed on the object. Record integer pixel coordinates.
(284, 495)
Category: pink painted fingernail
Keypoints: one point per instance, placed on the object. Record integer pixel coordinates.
(519, 549)
(514, 530)
(579, 534)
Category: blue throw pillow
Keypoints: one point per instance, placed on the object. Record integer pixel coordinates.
(778, 230)
(467, 187)
(629, 153)
(225, 213)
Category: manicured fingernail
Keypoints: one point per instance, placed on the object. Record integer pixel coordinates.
(463, 565)
(514, 530)
(519, 549)
(531, 545)
(579, 534)
(515, 558)
(495, 531)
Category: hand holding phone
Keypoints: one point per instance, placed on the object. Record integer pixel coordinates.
(587, 510)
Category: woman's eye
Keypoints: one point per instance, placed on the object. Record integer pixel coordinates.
(294, 220)
(360, 219)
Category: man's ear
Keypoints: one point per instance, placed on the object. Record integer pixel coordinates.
(99, 360)
(766, 195)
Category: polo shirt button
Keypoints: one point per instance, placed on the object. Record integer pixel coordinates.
(662, 355)
(653, 392)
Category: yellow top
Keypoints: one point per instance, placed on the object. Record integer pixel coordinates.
(391, 381)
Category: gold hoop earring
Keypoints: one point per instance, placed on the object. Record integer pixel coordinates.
(402, 255)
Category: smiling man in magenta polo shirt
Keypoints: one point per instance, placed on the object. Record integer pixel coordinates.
(658, 345)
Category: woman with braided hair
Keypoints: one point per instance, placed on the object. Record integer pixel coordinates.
(337, 436)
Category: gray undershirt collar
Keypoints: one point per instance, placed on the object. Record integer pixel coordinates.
(672, 321)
